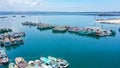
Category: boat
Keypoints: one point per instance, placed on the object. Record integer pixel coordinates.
(119, 29)
(20, 62)
(73, 29)
(60, 62)
(3, 30)
(45, 26)
(4, 56)
(31, 64)
(7, 41)
(59, 29)
(12, 65)
(27, 23)
(20, 40)
(14, 16)
(54, 62)
(38, 63)
(23, 16)
(19, 34)
(3, 17)
(1, 43)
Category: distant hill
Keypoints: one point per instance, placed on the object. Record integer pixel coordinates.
(62, 13)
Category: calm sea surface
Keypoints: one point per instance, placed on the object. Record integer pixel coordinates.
(79, 51)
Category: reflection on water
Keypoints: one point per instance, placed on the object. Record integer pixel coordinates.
(14, 47)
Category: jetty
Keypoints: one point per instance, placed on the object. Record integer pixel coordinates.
(42, 62)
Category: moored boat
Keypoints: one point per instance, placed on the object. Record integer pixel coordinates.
(12, 65)
(7, 41)
(45, 26)
(59, 29)
(4, 56)
(3, 30)
(20, 62)
(73, 29)
(31, 64)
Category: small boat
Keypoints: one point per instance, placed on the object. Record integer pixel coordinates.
(73, 29)
(20, 62)
(3, 17)
(4, 56)
(19, 34)
(45, 26)
(23, 16)
(119, 29)
(3, 30)
(27, 23)
(12, 65)
(14, 16)
(86, 31)
(60, 63)
(7, 41)
(45, 60)
(31, 64)
(1, 43)
(59, 29)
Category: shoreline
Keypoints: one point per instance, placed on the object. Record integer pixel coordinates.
(108, 21)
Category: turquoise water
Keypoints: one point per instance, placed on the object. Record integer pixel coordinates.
(79, 51)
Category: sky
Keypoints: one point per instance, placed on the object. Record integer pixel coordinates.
(60, 5)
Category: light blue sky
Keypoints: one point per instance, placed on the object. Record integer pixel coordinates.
(59, 5)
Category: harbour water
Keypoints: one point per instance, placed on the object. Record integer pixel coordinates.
(80, 51)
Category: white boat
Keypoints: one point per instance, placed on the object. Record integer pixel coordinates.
(20, 62)
(12, 65)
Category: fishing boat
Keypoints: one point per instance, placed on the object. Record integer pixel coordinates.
(60, 63)
(54, 62)
(19, 34)
(45, 26)
(73, 29)
(7, 41)
(14, 16)
(38, 63)
(12, 65)
(4, 56)
(59, 29)
(27, 23)
(20, 62)
(1, 43)
(102, 32)
(31, 64)
(86, 31)
(2, 36)
(23, 16)
(3, 30)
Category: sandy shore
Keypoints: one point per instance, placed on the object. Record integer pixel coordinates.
(109, 21)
